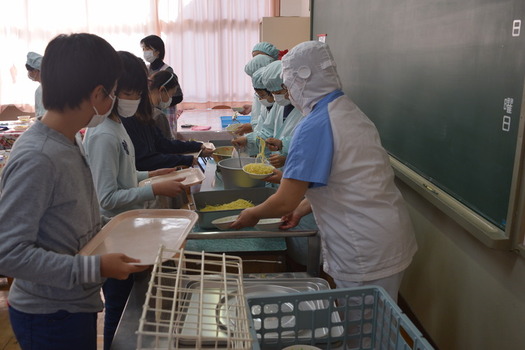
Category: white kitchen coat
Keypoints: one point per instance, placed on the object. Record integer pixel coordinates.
(365, 228)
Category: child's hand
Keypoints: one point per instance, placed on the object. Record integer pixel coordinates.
(169, 187)
(119, 266)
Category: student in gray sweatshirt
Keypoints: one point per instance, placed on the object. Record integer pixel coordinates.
(111, 157)
(48, 206)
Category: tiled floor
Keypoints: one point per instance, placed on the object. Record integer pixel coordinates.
(7, 338)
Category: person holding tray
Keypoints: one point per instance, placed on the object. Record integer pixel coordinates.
(111, 156)
(49, 208)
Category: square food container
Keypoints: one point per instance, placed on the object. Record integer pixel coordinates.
(201, 199)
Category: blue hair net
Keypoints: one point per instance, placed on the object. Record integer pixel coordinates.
(267, 48)
(34, 60)
(256, 63)
(272, 76)
(257, 79)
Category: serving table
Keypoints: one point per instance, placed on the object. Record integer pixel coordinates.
(248, 243)
(199, 118)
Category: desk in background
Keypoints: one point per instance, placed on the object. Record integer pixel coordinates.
(203, 117)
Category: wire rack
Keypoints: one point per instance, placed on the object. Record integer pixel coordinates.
(195, 300)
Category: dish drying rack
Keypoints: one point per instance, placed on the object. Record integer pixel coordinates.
(195, 300)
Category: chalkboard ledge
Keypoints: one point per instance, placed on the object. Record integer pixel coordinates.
(486, 232)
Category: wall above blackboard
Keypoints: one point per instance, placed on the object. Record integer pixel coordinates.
(443, 82)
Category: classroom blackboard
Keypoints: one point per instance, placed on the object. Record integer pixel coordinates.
(443, 82)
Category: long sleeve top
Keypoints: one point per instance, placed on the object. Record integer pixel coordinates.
(153, 151)
(49, 211)
(111, 157)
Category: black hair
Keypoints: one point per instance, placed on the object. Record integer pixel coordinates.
(163, 78)
(154, 42)
(29, 68)
(73, 66)
(134, 77)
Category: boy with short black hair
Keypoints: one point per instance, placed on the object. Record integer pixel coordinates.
(48, 205)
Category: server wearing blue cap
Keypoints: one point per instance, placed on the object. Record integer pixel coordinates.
(33, 64)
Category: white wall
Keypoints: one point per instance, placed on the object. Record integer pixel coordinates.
(466, 296)
(299, 8)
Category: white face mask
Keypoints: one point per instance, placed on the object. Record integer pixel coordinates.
(265, 103)
(99, 118)
(149, 56)
(281, 100)
(162, 104)
(127, 108)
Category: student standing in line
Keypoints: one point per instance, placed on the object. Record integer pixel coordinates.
(33, 64)
(154, 151)
(55, 297)
(337, 168)
(154, 52)
(111, 157)
(162, 85)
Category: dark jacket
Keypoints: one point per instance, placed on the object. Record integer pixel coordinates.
(153, 151)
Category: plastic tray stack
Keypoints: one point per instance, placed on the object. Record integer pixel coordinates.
(176, 315)
(357, 318)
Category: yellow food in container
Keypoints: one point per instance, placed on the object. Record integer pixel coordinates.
(258, 168)
(237, 204)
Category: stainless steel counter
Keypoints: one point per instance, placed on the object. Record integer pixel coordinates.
(125, 337)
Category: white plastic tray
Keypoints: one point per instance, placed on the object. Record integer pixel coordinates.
(139, 233)
(192, 176)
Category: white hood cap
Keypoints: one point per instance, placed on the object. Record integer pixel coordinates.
(309, 74)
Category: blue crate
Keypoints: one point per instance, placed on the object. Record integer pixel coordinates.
(227, 120)
(356, 318)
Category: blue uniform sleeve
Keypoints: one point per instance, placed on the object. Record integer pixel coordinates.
(310, 156)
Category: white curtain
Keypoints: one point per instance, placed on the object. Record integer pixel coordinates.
(208, 42)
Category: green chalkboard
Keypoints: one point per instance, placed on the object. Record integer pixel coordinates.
(443, 82)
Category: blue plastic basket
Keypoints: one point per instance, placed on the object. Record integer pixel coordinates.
(227, 120)
(357, 318)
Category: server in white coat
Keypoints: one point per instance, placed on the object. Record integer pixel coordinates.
(256, 63)
(265, 126)
(33, 64)
(287, 117)
(337, 168)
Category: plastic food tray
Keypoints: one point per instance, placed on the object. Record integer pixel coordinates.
(201, 199)
(139, 233)
(192, 176)
(227, 120)
(357, 318)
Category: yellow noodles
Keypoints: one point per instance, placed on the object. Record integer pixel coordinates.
(261, 158)
(258, 168)
(237, 204)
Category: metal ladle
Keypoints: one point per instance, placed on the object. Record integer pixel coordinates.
(238, 149)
